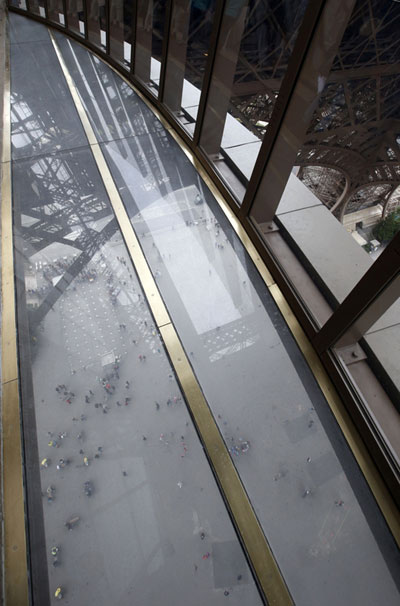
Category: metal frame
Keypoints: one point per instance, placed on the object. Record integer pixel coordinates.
(165, 48)
(219, 14)
(138, 52)
(316, 65)
(133, 44)
(85, 11)
(108, 44)
(377, 290)
(171, 88)
(65, 14)
(306, 32)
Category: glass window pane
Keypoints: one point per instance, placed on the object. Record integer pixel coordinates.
(76, 16)
(341, 163)
(55, 11)
(188, 50)
(254, 47)
(149, 42)
(383, 339)
(18, 3)
(159, 10)
(343, 159)
(97, 22)
(37, 7)
(143, 40)
(121, 33)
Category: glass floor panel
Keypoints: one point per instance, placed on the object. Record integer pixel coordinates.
(123, 506)
(155, 508)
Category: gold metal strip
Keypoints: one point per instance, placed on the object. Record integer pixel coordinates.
(260, 555)
(352, 436)
(8, 332)
(14, 538)
(15, 560)
(258, 550)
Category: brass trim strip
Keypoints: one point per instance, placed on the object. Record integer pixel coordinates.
(357, 446)
(258, 550)
(264, 565)
(14, 538)
(8, 332)
(15, 560)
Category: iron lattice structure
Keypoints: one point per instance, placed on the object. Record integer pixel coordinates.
(356, 129)
(351, 156)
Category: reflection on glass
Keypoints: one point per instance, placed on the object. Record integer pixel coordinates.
(87, 326)
(55, 11)
(144, 24)
(281, 435)
(158, 22)
(18, 3)
(121, 33)
(149, 42)
(97, 22)
(122, 504)
(115, 110)
(37, 128)
(76, 16)
(36, 6)
(255, 44)
(188, 48)
(126, 494)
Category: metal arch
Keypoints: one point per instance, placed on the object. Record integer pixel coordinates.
(387, 203)
(344, 195)
(357, 189)
(332, 148)
(326, 165)
(318, 177)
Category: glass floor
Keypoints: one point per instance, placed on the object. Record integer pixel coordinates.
(123, 505)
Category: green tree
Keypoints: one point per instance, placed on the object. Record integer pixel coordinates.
(388, 227)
